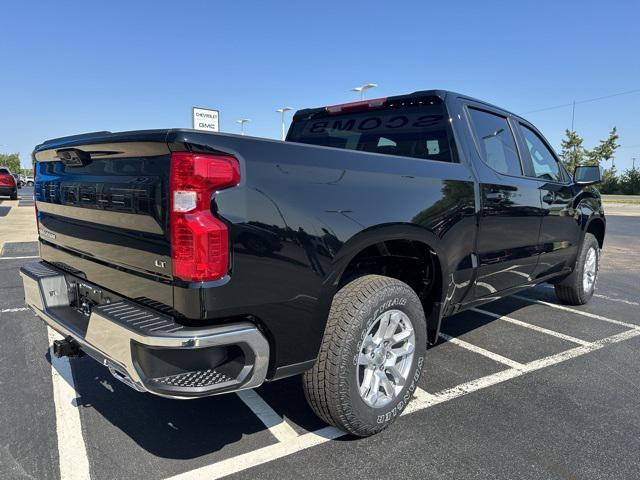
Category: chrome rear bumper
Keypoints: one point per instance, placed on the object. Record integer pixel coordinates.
(146, 349)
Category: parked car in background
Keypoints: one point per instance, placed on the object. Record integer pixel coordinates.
(28, 181)
(8, 184)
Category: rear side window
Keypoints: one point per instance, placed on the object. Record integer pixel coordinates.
(415, 128)
(4, 171)
(498, 148)
(543, 162)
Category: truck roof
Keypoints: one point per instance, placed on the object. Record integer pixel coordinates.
(442, 94)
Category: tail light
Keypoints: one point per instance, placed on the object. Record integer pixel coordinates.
(199, 240)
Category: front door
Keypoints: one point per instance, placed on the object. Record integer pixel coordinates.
(560, 232)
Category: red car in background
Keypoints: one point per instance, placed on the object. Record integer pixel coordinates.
(8, 185)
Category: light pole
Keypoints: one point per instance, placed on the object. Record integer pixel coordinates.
(364, 87)
(242, 121)
(282, 111)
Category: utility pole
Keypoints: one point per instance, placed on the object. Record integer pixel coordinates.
(573, 117)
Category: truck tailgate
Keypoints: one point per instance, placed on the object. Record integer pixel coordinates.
(103, 209)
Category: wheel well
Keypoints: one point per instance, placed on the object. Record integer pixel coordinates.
(596, 228)
(409, 261)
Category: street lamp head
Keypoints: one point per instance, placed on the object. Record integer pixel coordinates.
(243, 120)
(364, 87)
(283, 109)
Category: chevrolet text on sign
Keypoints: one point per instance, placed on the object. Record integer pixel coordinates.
(205, 119)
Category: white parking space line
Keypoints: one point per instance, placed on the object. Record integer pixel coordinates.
(11, 310)
(19, 258)
(480, 383)
(579, 312)
(605, 297)
(614, 299)
(74, 463)
(472, 348)
(463, 389)
(530, 326)
(260, 456)
(277, 425)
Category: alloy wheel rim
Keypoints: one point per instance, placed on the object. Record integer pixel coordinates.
(385, 357)
(590, 270)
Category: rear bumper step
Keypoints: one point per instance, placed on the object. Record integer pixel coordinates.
(145, 349)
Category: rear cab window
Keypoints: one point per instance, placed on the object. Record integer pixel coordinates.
(413, 127)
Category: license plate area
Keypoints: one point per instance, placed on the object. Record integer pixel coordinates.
(84, 296)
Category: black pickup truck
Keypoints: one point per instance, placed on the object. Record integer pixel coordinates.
(193, 264)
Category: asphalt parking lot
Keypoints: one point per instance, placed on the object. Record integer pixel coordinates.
(521, 388)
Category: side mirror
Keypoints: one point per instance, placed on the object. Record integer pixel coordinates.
(587, 174)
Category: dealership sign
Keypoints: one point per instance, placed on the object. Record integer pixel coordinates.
(206, 119)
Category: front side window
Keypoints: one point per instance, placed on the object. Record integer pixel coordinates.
(498, 148)
(543, 162)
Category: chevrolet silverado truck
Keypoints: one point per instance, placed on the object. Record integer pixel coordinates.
(192, 264)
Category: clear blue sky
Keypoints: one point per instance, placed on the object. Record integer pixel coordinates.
(72, 67)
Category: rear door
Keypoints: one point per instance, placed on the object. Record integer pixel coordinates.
(103, 213)
(510, 210)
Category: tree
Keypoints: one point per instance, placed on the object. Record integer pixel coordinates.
(630, 181)
(610, 181)
(605, 150)
(10, 160)
(573, 153)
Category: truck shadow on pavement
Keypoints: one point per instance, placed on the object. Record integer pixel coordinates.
(182, 429)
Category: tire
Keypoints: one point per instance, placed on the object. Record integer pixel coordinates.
(14, 195)
(578, 288)
(29, 184)
(356, 318)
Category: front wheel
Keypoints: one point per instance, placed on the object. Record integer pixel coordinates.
(578, 288)
(371, 357)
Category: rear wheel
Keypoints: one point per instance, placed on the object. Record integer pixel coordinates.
(14, 195)
(578, 288)
(371, 356)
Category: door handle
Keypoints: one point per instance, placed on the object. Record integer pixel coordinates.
(496, 196)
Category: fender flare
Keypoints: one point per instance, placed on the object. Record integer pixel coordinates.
(371, 236)
(589, 210)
